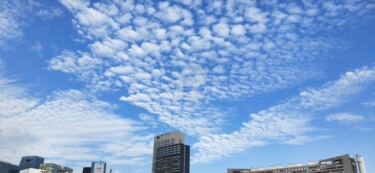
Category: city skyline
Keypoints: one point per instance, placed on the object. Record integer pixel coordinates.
(249, 83)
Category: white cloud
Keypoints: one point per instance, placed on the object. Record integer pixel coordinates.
(75, 4)
(37, 48)
(68, 125)
(107, 48)
(140, 21)
(178, 65)
(70, 61)
(297, 140)
(13, 100)
(288, 122)
(49, 13)
(169, 13)
(129, 34)
(345, 118)
(238, 30)
(149, 119)
(254, 14)
(335, 93)
(10, 25)
(221, 30)
(92, 17)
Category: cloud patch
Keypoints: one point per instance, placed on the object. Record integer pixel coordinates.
(345, 118)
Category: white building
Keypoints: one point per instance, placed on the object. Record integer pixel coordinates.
(31, 170)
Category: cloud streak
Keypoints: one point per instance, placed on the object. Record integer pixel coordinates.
(288, 122)
(345, 118)
(70, 126)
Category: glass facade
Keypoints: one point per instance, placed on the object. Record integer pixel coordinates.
(8, 167)
(31, 162)
(173, 159)
(86, 170)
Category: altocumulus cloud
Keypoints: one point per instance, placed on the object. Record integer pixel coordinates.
(175, 58)
(14, 16)
(288, 122)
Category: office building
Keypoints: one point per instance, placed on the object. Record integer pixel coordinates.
(6, 167)
(339, 164)
(86, 170)
(54, 168)
(31, 162)
(171, 154)
(98, 167)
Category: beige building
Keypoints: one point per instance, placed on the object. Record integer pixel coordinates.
(339, 164)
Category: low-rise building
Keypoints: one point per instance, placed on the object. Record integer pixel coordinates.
(337, 164)
(31, 170)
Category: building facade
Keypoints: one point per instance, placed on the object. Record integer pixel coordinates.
(339, 164)
(86, 170)
(98, 167)
(31, 162)
(171, 154)
(6, 167)
(31, 170)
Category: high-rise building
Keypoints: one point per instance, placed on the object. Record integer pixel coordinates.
(98, 167)
(6, 167)
(337, 164)
(31, 162)
(171, 154)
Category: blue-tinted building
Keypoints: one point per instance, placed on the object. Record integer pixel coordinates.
(31, 162)
(6, 167)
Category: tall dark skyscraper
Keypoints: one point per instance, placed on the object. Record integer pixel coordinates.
(31, 162)
(171, 154)
(86, 170)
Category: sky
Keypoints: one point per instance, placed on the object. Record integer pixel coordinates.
(250, 83)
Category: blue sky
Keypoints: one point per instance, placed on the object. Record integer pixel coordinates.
(250, 83)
